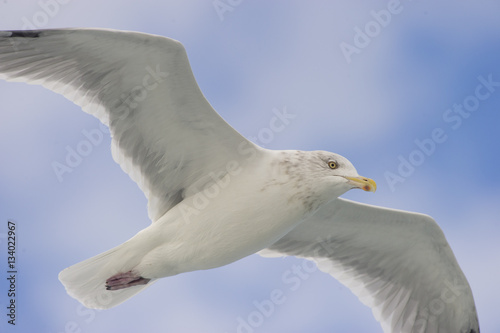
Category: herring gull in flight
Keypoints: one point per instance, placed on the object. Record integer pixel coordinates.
(214, 197)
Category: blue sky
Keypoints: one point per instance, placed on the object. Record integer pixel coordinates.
(371, 106)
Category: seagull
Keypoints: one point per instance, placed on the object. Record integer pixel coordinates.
(214, 197)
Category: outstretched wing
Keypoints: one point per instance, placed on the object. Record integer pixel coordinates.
(398, 263)
(166, 135)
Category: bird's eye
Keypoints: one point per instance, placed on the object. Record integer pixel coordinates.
(332, 164)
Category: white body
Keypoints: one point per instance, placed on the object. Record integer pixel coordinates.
(203, 232)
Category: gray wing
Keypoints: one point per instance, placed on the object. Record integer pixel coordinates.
(398, 263)
(165, 134)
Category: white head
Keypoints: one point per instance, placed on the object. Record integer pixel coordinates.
(338, 174)
(322, 176)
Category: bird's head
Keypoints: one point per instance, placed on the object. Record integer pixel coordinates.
(334, 175)
(318, 177)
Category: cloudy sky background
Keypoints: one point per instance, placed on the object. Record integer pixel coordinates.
(249, 61)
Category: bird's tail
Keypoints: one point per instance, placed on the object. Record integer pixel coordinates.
(86, 281)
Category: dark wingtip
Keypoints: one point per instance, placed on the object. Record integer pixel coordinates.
(22, 33)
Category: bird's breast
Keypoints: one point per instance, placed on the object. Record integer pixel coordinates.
(217, 226)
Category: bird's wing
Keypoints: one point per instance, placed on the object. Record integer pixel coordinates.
(165, 134)
(396, 262)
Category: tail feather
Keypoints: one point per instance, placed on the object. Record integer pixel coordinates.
(86, 281)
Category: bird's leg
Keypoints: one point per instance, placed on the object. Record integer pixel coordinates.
(125, 280)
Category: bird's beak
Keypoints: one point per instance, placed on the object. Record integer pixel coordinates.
(363, 183)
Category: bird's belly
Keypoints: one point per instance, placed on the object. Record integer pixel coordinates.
(217, 234)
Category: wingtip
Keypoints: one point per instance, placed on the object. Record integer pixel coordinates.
(21, 33)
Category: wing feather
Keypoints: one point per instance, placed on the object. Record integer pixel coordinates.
(165, 134)
(398, 263)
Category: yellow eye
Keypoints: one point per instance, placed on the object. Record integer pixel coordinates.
(332, 165)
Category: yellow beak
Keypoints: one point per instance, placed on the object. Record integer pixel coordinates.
(363, 183)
